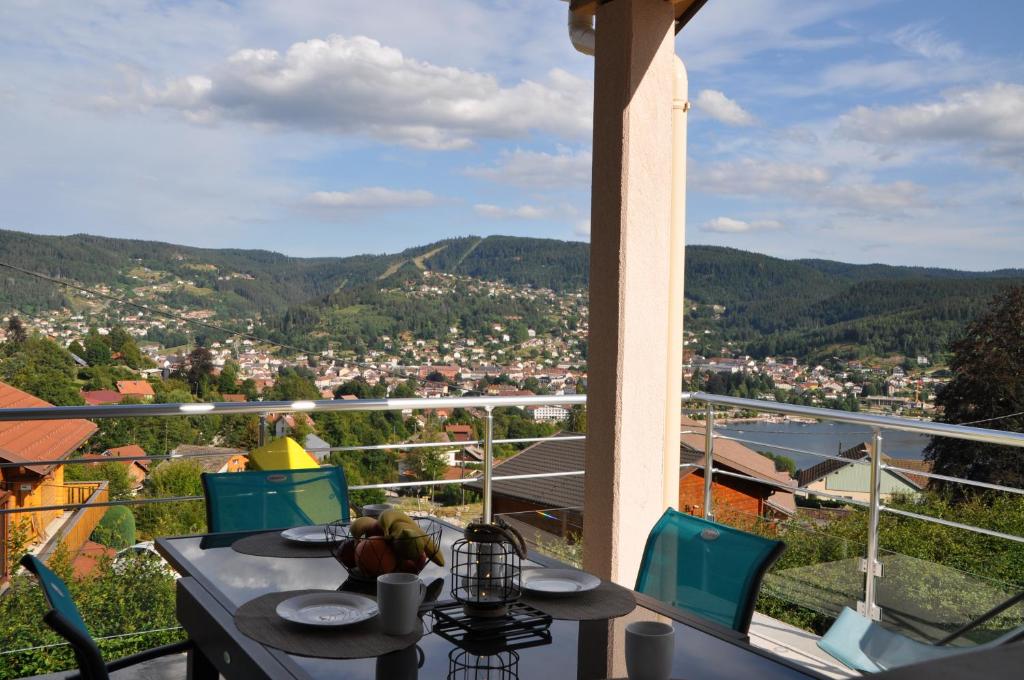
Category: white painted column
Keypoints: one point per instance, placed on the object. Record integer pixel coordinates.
(630, 274)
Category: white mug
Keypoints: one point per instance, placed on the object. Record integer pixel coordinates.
(650, 647)
(399, 597)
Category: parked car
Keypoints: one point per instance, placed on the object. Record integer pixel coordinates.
(142, 550)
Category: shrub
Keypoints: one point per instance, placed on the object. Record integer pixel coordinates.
(116, 529)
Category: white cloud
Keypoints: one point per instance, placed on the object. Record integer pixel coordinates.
(582, 229)
(357, 85)
(723, 109)
(728, 225)
(371, 198)
(523, 212)
(875, 197)
(994, 113)
(922, 40)
(525, 168)
(749, 176)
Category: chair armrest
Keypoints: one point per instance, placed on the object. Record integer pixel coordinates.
(148, 654)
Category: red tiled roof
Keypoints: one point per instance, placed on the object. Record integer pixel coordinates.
(88, 558)
(137, 387)
(233, 397)
(130, 451)
(101, 397)
(29, 440)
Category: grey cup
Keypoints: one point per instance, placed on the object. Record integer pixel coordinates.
(398, 598)
(649, 649)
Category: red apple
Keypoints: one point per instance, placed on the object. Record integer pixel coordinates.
(421, 562)
(347, 553)
(408, 566)
(375, 557)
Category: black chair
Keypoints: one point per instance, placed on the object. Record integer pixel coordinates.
(65, 619)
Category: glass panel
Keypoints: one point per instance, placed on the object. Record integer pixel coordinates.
(556, 532)
(928, 601)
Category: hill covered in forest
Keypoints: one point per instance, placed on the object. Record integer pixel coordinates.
(771, 305)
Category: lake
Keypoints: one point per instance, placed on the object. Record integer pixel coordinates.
(829, 438)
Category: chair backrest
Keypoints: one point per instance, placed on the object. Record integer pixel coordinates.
(66, 620)
(275, 499)
(706, 568)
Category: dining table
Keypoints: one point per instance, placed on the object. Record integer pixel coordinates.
(216, 580)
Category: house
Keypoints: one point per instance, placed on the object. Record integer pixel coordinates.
(459, 432)
(547, 413)
(101, 397)
(137, 469)
(236, 398)
(214, 458)
(31, 483)
(316, 447)
(532, 500)
(136, 388)
(284, 424)
(853, 480)
(763, 498)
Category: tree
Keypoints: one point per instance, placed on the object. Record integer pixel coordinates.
(577, 421)
(988, 386)
(198, 369)
(227, 381)
(172, 478)
(16, 332)
(41, 368)
(119, 483)
(97, 351)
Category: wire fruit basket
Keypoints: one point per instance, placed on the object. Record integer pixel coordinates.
(370, 547)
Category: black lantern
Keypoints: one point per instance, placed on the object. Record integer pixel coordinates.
(463, 665)
(487, 569)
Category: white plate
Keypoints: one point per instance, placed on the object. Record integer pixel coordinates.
(555, 582)
(329, 609)
(315, 533)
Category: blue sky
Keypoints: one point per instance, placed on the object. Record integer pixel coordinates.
(858, 130)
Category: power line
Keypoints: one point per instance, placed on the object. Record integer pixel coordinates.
(989, 420)
(178, 317)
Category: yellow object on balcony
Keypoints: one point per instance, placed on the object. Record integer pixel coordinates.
(281, 454)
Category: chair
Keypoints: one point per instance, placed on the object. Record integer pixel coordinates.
(709, 569)
(275, 499)
(864, 645)
(65, 619)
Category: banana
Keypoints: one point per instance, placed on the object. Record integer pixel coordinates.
(361, 526)
(389, 518)
(433, 551)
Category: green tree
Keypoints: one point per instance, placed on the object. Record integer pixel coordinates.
(198, 369)
(116, 529)
(987, 386)
(41, 368)
(227, 381)
(120, 484)
(16, 332)
(97, 351)
(172, 478)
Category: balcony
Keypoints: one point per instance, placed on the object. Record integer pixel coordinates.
(823, 569)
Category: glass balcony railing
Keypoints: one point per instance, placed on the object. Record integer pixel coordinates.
(937, 567)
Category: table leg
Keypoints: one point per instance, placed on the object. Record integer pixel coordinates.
(199, 667)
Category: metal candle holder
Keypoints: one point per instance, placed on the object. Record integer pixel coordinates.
(487, 569)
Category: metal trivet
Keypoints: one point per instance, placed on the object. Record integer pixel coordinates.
(500, 666)
(522, 627)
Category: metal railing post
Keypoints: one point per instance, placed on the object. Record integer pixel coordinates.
(263, 429)
(488, 463)
(709, 459)
(871, 567)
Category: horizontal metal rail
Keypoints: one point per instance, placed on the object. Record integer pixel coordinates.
(957, 480)
(267, 407)
(882, 422)
(952, 524)
(853, 461)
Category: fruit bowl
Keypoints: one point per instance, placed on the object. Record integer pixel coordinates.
(393, 542)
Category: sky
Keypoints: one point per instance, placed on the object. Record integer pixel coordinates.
(856, 130)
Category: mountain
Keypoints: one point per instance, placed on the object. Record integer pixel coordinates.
(772, 306)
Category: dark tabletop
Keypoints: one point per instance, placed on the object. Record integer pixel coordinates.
(228, 579)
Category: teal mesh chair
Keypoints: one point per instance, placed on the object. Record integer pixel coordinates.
(65, 619)
(275, 499)
(709, 569)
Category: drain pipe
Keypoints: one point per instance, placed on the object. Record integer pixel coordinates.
(677, 263)
(582, 34)
(581, 29)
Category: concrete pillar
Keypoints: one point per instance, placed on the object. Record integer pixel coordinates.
(630, 271)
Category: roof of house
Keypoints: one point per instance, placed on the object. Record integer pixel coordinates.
(218, 455)
(139, 387)
(233, 397)
(101, 397)
(860, 452)
(28, 440)
(560, 455)
(551, 455)
(130, 451)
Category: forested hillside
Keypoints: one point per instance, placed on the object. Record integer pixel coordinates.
(772, 306)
